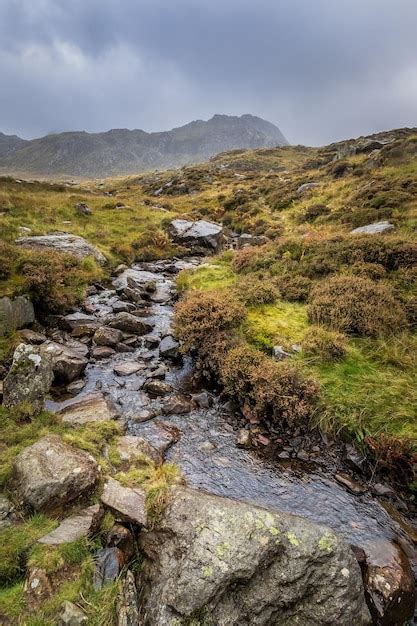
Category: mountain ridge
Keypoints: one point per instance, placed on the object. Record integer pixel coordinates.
(123, 151)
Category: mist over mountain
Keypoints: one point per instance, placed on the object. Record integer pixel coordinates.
(122, 151)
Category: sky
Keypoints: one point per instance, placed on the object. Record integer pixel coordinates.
(322, 70)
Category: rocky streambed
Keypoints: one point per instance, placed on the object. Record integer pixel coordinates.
(126, 365)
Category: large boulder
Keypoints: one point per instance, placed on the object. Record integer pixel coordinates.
(15, 314)
(49, 474)
(373, 229)
(63, 242)
(236, 564)
(199, 235)
(29, 378)
(128, 323)
(67, 363)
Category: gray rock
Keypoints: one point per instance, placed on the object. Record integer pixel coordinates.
(127, 602)
(203, 399)
(373, 229)
(93, 407)
(15, 314)
(151, 341)
(245, 240)
(67, 363)
(72, 528)
(71, 615)
(76, 321)
(30, 377)
(49, 474)
(160, 435)
(306, 187)
(169, 348)
(157, 388)
(83, 208)
(105, 336)
(199, 235)
(125, 501)
(130, 448)
(177, 405)
(244, 438)
(102, 352)
(127, 368)
(7, 512)
(129, 323)
(108, 564)
(30, 336)
(279, 353)
(76, 386)
(243, 565)
(63, 242)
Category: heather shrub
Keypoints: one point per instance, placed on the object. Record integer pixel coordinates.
(276, 392)
(244, 259)
(154, 244)
(356, 306)
(374, 271)
(328, 345)
(253, 290)
(312, 212)
(7, 259)
(294, 288)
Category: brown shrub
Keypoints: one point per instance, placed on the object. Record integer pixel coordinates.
(311, 213)
(276, 392)
(356, 306)
(328, 345)
(7, 258)
(253, 290)
(154, 244)
(294, 288)
(374, 271)
(244, 258)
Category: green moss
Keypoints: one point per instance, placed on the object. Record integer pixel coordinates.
(12, 601)
(281, 323)
(327, 542)
(215, 274)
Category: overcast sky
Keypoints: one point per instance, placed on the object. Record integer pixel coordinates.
(320, 69)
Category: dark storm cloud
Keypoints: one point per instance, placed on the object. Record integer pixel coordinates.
(320, 69)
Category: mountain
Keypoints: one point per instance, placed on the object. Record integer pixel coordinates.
(122, 151)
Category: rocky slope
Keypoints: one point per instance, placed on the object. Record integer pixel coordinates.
(127, 151)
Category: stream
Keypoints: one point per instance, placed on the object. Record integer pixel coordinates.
(204, 445)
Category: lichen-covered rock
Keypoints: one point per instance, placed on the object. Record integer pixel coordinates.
(127, 602)
(63, 242)
(373, 229)
(235, 564)
(29, 378)
(15, 314)
(49, 474)
(199, 235)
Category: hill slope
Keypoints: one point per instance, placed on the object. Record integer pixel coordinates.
(124, 151)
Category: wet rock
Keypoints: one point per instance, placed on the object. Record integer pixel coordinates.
(353, 485)
(127, 602)
(71, 615)
(73, 321)
(128, 323)
(199, 235)
(102, 352)
(63, 242)
(177, 405)
(75, 387)
(133, 295)
(15, 314)
(123, 348)
(380, 489)
(127, 502)
(108, 565)
(7, 513)
(120, 268)
(130, 447)
(244, 438)
(203, 400)
(157, 388)
(144, 416)
(306, 187)
(37, 587)
(82, 524)
(389, 585)
(84, 331)
(354, 458)
(93, 407)
(246, 565)
(67, 363)
(29, 378)
(127, 368)
(30, 336)
(50, 474)
(169, 348)
(373, 229)
(160, 435)
(158, 373)
(151, 341)
(122, 307)
(120, 537)
(83, 208)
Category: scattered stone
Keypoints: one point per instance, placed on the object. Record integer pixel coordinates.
(306, 187)
(354, 458)
(120, 268)
(279, 353)
(49, 474)
(108, 564)
(177, 405)
(30, 336)
(93, 407)
(373, 229)
(123, 348)
(245, 240)
(127, 368)
(169, 348)
(199, 235)
(264, 441)
(284, 455)
(380, 489)
(244, 438)
(29, 378)
(82, 524)
(127, 602)
(63, 242)
(203, 400)
(15, 314)
(7, 513)
(157, 388)
(160, 435)
(125, 501)
(75, 387)
(78, 322)
(128, 323)
(67, 363)
(122, 307)
(352, 485)
(130, 447)
(144, 416)
(207, 446)
(158, 373)
(242, 564)
(151, 341)
(37, 587)
(71, 615)
(102, 352)
(83, 208)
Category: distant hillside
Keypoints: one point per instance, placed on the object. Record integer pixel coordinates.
(123, 151)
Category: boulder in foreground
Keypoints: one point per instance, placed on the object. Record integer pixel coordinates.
(242, 565)
(30, 377)
(63, 242)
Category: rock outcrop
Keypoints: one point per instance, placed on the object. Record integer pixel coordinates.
(63, 242)
(236, 564)
(201, 236)
(373, 229)
(29, 378)
(15, 314)
(50, 474)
